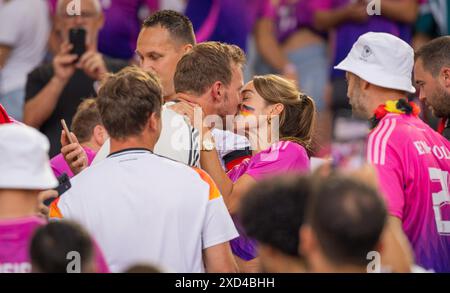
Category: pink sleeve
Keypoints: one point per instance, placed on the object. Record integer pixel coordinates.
(281, 158)
(388, 165)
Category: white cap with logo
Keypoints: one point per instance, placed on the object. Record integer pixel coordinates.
(381, 59)
(24, 161)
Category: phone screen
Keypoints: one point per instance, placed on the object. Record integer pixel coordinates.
(77, 37)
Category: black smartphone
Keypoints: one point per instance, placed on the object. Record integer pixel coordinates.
(77, 37)
(64, 185)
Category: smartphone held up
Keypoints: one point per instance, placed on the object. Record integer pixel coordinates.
(77, 38)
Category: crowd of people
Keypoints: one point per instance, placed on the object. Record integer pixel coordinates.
(202, 141)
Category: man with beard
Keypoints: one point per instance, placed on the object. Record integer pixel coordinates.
(432, 76)
(411, 159)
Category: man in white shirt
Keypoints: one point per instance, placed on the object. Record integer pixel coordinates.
(24, 30)
(140, 207)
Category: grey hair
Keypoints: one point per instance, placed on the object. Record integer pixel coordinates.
(59, 6)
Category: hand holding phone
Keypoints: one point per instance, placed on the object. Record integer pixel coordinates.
(72, 151)
(77, 37)
(66, 131)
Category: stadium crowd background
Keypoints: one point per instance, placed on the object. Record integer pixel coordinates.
(225, 202)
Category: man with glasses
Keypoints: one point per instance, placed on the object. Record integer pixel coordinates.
(54, 91)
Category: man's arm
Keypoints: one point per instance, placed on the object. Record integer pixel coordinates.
(40, 107)
(396, 251)
(403, 11)
(4, 54)
(328, 19)
(219, 259)
(270, 50)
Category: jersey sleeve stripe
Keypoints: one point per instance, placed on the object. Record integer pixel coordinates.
(213, 190)
(375, 140)
(385, 141)
(55, 212)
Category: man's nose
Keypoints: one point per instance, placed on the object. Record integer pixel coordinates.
(422, 95)
(79, 21)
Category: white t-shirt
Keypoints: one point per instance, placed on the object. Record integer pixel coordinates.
(178, 141)
(142, 208)
(24, 26)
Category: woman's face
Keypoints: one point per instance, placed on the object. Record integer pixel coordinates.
(252, 111)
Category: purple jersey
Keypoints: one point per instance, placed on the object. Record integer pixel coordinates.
(290, 16)
(413, 163)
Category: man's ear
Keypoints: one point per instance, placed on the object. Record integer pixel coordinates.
(445, 76)
(154, 122)
(100, 21)
(218, 93)
(364, 84)
(187, 48)
(100, 134)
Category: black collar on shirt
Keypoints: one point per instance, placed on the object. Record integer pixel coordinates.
(128, 150)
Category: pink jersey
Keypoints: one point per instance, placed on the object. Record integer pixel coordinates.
(15, 240)
(412, 163)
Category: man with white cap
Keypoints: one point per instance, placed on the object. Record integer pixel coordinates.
(25, 171)
(25, 183)
(411, 159)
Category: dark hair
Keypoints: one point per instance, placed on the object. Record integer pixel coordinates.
(85, 120)
(298, 119)
(51, 244)
(347, 217)
(205, 64)
(435, 55)
(143, 269)
(273, 212)
(127, 99)
(178, 25)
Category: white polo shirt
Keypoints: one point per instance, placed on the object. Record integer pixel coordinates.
(143, 208)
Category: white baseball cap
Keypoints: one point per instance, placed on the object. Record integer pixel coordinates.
(24, 161)
(381, 59)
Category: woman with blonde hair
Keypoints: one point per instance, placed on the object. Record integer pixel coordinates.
(279, 122)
